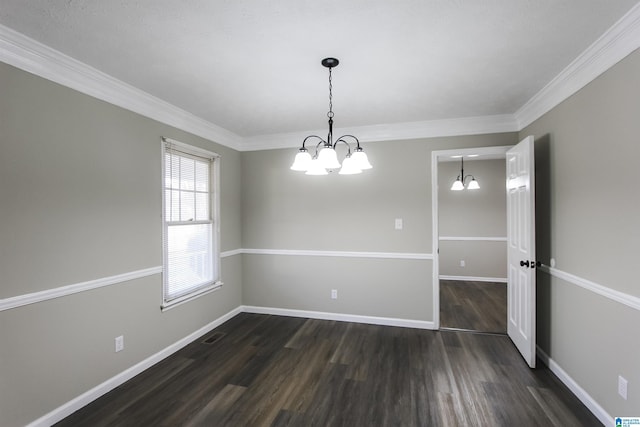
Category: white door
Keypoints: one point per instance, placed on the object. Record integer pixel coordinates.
(521, 251)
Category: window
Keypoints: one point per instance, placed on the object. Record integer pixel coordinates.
(190, 222)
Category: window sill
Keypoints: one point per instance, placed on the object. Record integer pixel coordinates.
(168, 305)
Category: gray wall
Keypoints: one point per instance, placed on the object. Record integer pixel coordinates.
(80, 200)
(588, 205)
(287, 210)
(473, 213)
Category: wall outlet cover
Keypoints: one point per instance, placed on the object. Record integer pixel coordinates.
(622, 387)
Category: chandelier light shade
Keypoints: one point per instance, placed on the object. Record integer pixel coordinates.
(350, 166)
(325, 158)
(302, 161)
(460, 182)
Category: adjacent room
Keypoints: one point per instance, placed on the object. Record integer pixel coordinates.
(319, 213)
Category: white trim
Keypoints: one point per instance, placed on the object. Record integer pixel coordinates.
(435, 242)
(340, 317)
(34, 57)
(170, 146)
(85, 398)
(233, 252)
(32, 298)
(472, 239)
(391, 132)
(168, 305)
(474, 278)
(438, 156)
(344, 254)
(575, 388)
(615, 44)
(63, 291)
(189, 149)
(614, 295)
(89, 396)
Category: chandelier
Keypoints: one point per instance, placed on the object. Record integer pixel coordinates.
(460, 182)
(325, 159)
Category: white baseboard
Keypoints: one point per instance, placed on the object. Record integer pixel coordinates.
(372, 320)
(575, 388)
(84, 399)
(474, 278)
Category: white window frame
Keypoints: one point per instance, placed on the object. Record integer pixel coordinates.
(214, 209)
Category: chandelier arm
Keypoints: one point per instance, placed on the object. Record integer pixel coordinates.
(356, 139)
(348, 146)
(312, 136)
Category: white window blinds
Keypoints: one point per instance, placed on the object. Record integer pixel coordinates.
(190, 244)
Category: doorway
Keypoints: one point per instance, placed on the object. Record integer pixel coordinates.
(470, 243)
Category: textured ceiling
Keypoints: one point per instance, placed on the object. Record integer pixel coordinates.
(253, 67)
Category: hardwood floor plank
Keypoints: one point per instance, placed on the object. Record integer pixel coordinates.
(476, 306)
(217, 408)
(280, 371)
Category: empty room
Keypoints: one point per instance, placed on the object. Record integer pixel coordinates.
(296, 213)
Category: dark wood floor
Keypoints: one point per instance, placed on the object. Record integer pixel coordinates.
(262, 370)
(475, 306)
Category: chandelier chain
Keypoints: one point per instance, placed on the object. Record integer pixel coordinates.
(330, 113)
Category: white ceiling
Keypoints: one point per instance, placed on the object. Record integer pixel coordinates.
(253, 67)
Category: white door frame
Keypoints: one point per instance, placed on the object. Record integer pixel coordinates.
(498, 152)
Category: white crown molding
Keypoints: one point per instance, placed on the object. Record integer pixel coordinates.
(29, 55)
(340, 254)
(614, 45)
(575, 388)
(84, 399)
(392, 132)
(371, 320)
(34, 57)
(612, 294)
(63, 291)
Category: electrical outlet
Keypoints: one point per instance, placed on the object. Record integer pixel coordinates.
(119, 343)
(462, 263)
(622, 387)
(334, 294)
(399, 224)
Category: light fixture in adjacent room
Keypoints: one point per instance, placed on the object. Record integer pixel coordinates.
(326, 159)
(461, 181)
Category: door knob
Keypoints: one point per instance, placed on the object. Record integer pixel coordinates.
(524, 263)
